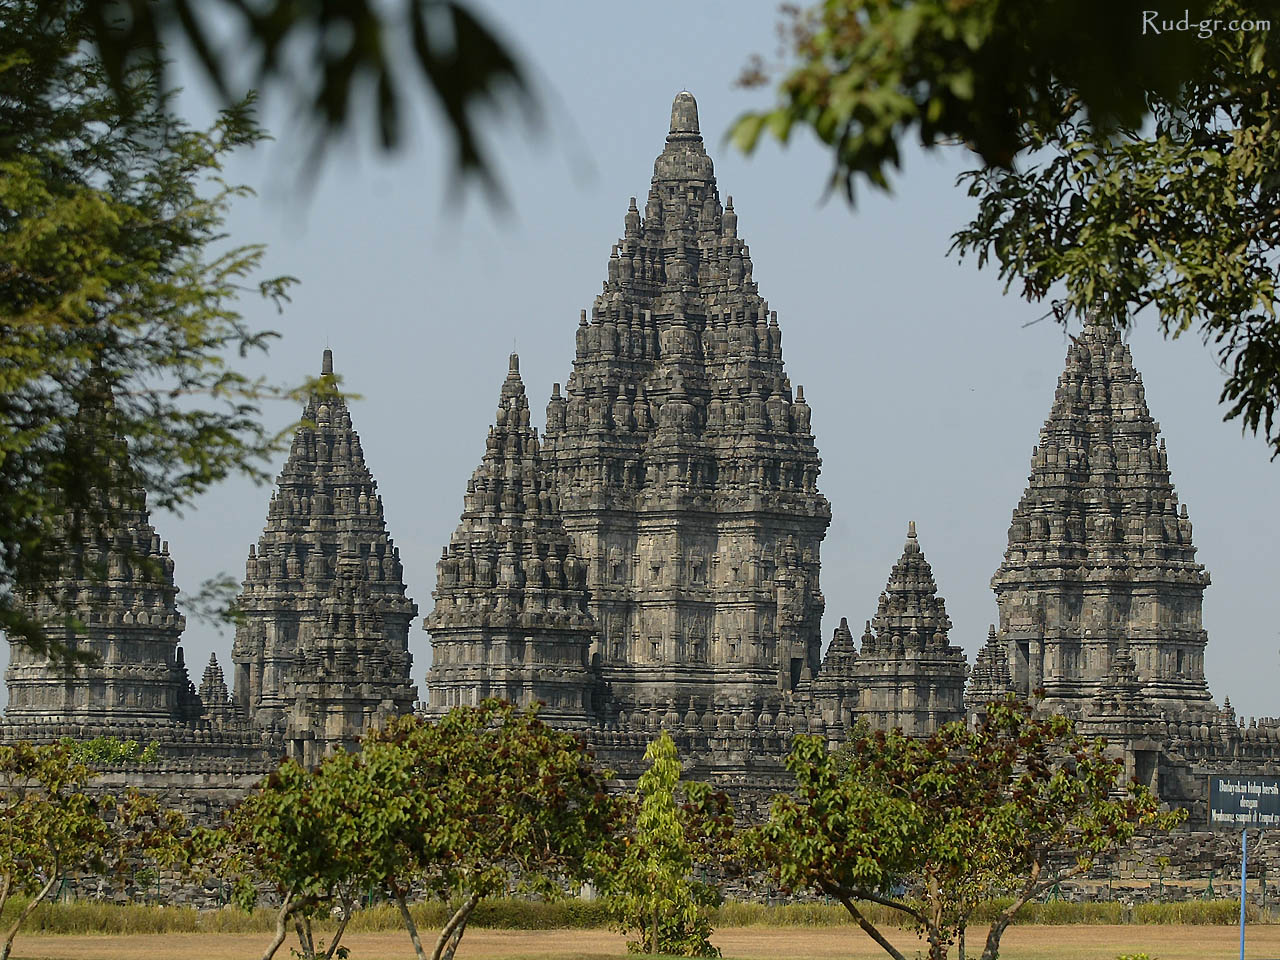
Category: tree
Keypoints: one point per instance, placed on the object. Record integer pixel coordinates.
(1018, 803)
(487, 800)
(1127, 154)
(338, 60)
(301, 834)
(651, 889)
(52, 825)
(117, 300)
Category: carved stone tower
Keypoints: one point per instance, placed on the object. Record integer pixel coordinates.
(325, 520)
(115, 581)
(685, 465)
(989, 680)
(1099, 552)
(347, 678)
(511, 618)
(909, 675)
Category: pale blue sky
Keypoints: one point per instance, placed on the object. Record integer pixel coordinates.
(927, 391)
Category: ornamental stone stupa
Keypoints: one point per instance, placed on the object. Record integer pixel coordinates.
(909, 675)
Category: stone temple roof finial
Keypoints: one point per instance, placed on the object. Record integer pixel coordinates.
(684, 115)
(514, 366)
(911, 530)
(326, 365)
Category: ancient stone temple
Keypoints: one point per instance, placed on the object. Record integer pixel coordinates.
(116, 580)
(511, 618)
(347, 677)
(1100, 550)
(325, 526)
(653, 564)
(113, 595)
(684, 462)
(908, 674)
(835, 690)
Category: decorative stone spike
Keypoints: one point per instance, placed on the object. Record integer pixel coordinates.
(1097, 553)
(326, 522)
(909, 675)
(511, 618)
(990, 680)
(835, 691)
(685, 471)
(214, 695)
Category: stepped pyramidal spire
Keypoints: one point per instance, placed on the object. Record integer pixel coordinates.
(990, 680)
(684, 461)
(325, 520)
(1100, 552)
(112, 595)
(909, 674)
(511, 618)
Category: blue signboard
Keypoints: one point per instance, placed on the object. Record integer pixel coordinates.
(1239, 802)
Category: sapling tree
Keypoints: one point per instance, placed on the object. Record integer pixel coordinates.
(301, 834)
(675, 828)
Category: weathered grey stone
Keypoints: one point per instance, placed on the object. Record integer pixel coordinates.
(325, 549)
(1099, 552)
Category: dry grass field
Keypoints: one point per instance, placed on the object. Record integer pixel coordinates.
(1075, 942)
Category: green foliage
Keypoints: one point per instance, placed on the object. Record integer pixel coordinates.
(1133, 167)
(302, 833)
(487, 800)
(117, 302)
(341, 64)
(51, 826)
(867, 74)
(651, 888)
(957, 813)
(1134, 956)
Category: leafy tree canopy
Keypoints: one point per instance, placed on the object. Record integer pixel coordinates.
(118, 321)
(1018, 803)
(338, 60)
(486, 801)
(1127, 154)
(303, 834)
(494, 801)
(53, 826)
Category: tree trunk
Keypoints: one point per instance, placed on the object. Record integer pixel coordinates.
(26, 912)
(1032, 888)
(456, 937)
(961, 939)
(347, 908)
(410, 925)
(303, 926)
(864, 923)
(282, 926)
(452, 932)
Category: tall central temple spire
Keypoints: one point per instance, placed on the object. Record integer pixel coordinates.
(685, 464)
